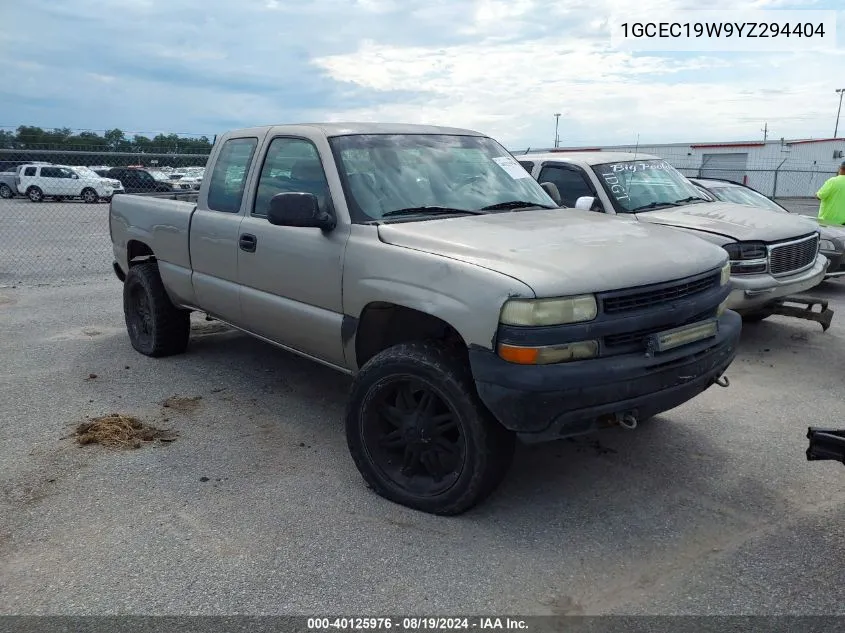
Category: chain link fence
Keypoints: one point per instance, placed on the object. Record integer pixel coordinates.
(54, 212)
(54, 207)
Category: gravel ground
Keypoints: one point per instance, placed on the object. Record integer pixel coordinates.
(257, 508)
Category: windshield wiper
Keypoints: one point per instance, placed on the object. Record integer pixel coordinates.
(431, 209)
(690, 199)
(513, 204)
(654, 205)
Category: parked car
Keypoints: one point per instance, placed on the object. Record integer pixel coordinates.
(832, 243)
(137, 180)
(38, 182)
(8, 176)
(8, 184)
(470, 312)
(771, 257)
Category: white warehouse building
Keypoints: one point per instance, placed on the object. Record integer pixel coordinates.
(781, 168)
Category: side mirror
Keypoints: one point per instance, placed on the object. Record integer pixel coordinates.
(551, 189)
(588, 203)
(298, 209)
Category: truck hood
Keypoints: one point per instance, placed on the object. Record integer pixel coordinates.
(561, 251)
(735, 221)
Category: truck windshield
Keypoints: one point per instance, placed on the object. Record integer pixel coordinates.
(645, 185)
(745, 196)
(393, 175)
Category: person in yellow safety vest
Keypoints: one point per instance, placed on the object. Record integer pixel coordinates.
(832, 196)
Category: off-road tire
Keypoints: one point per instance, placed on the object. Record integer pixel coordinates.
(6, 192)
(166, 329)
(35, 194)
(489, 447)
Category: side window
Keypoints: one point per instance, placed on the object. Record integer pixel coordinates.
(529, 165)
(572, 184)
(64, 173)
(291, 164)
(226, 188)
(29, 171)
(51, 172)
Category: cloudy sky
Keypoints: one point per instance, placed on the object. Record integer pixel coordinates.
(503, 67)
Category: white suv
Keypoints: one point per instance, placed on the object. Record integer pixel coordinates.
(62, 181)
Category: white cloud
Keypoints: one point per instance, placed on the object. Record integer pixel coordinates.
(500, 66)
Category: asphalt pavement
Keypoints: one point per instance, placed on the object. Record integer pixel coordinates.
(256, 508)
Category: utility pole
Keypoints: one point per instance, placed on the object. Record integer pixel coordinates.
(557, 120)
(765, 131)
(841, 92)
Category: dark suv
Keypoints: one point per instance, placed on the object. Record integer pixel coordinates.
(137, 180)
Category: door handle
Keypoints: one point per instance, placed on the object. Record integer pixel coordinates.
(248, 242)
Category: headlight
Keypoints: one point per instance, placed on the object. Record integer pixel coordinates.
(726, 274)
(548, 354)
(536, 312)
(748, 258)
(827, 245)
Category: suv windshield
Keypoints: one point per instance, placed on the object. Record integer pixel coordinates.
(645, 185)
(740, 195)
(84, 172)
(426, 174)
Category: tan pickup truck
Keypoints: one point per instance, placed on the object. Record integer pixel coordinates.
(428, 264)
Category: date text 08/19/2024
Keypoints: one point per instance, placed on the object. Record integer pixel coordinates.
(414, 624)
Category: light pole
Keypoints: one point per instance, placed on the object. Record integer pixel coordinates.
(841, 92)
(557, 120)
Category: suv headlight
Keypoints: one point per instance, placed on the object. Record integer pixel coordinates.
(538, 312)
(748, 258)
(726, 274)
(827, 245)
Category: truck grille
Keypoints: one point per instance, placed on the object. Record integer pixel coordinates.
(658, 294)
(639, 337)
(793, 256)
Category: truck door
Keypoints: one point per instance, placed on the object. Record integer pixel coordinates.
(291, 276)
(571, 182)
(214, 232)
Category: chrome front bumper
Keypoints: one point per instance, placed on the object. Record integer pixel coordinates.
(754, 291)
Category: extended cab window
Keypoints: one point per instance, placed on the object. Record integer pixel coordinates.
(291, 165)
(226, 189)
(570, 183)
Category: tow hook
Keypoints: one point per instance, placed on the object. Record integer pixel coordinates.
(628, 421)
(723, 382)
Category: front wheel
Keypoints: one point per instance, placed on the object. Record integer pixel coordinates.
(419, 434)
(90, 196)
(156, 327)
(6, 192)
(35, 194)
(755, 316)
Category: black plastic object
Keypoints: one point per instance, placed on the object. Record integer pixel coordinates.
(826, 444)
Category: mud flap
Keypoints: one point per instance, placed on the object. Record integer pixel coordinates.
(805, 309)
(826, 444)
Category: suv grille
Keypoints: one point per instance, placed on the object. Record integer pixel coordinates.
(793, 256)
(651, 296)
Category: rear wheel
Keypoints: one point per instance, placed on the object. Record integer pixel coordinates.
(6, 192)
(419, 434)
(156, 327)
(90, 196)
(35, 194)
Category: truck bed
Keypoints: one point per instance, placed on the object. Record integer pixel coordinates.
(161, 221)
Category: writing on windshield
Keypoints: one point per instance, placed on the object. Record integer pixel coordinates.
(647, 184)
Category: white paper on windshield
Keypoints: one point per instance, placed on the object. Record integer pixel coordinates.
(512, 167)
